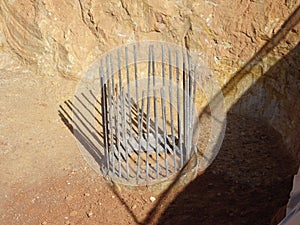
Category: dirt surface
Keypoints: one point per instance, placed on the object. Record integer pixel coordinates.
(44, 179)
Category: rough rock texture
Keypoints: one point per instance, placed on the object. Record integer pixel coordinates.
(62, 37)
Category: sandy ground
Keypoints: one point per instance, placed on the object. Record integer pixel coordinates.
(45, 180)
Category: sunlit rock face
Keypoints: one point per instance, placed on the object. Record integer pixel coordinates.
(63, 37)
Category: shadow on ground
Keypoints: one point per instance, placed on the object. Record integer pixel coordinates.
(249, 180)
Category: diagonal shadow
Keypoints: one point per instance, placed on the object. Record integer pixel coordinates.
(65, 113)
(87, 133)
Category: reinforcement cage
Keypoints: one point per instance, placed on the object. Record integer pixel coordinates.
(148, 112)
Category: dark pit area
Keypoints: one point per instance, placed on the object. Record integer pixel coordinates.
(248, 182)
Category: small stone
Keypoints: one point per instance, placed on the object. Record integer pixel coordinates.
(73, 213)
(69, 197)
(89, 214)
(243, 213)
(117, 187)
(210, 184)
(113, 196)
(152, 199)
(44, 223)
(263, 137)
(86, 194)
(133, 207)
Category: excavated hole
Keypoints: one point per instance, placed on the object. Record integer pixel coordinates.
(250, 179)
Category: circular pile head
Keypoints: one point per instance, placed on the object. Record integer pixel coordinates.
(138, 112)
